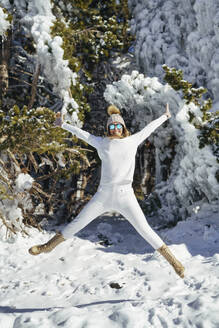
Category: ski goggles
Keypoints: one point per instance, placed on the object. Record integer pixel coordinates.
(113, 126)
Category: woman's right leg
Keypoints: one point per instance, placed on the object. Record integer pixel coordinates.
(92, 209)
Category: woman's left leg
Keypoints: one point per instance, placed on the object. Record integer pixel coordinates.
(131, 210)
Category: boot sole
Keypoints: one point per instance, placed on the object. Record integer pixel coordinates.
(34, 250)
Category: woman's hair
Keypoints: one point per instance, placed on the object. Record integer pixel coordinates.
(126, 132)
(112, 109)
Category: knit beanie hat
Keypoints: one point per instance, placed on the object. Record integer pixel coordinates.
(115, 116)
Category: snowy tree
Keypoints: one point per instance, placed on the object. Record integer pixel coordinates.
(36, 161)
(53, 49)
(51, 52)
(181, 179)
(181, 34)
(5, 19)
(208, 124)
(92, 33)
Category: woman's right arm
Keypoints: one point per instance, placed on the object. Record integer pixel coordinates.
(81, 134)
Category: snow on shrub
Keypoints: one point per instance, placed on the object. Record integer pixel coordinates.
(24, 182)
(4, 23)
(193, 169)
(15, 201)
(181, 34)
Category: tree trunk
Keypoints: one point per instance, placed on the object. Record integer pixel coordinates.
(34, 86)
(5, 45)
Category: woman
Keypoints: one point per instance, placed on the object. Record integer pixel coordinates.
(117, 152)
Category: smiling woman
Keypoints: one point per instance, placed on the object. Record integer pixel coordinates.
(117, 152)
(116, 127)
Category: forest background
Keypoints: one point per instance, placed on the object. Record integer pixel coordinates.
(78, 57)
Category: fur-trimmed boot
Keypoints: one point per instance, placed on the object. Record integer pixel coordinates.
(49, 246)
(178, 267)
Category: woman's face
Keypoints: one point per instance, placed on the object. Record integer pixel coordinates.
(115, 129)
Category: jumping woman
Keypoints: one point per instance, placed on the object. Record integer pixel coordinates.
(117, 152)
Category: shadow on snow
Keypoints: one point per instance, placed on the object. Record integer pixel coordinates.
(9, 309)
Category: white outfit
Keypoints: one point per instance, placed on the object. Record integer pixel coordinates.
(115, 190)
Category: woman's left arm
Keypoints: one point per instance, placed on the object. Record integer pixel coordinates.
(151, 127)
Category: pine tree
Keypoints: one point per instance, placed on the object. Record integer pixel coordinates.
(92, 32)
(209, 123)
(31, 144)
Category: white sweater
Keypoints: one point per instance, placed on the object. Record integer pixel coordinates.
(117, 155)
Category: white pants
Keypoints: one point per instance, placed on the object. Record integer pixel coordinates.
(120, 199)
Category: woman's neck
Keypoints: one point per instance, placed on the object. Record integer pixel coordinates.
(115, 137)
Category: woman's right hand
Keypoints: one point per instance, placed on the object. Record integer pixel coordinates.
(58, 120)
(168, 114)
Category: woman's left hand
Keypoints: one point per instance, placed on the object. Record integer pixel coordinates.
(59, 119)
(167, 111)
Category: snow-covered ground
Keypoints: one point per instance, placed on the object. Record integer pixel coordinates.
(73, 286)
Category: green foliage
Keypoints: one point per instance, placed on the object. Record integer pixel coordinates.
(208, 124)
(91, 31)
(210, 133)
(24, 131)
(4, 189)
(80, 93)
(29, 142)
(9, 16)
(175, 79)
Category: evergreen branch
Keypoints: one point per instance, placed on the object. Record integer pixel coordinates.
(46, 176)
(37, 188)
(12, 70)
(8, 227)
(12, 156)
(33, 161)
(6, 181)
(74, 151)
(25, 82)
(86, 31)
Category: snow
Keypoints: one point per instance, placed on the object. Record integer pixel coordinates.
(70, 287)
(181, 34)
(37, 18)
(215, 106)
(23, 182)
(74, 286)
(4, 24)
(11, 207)
(49, 50)
(192, 178)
